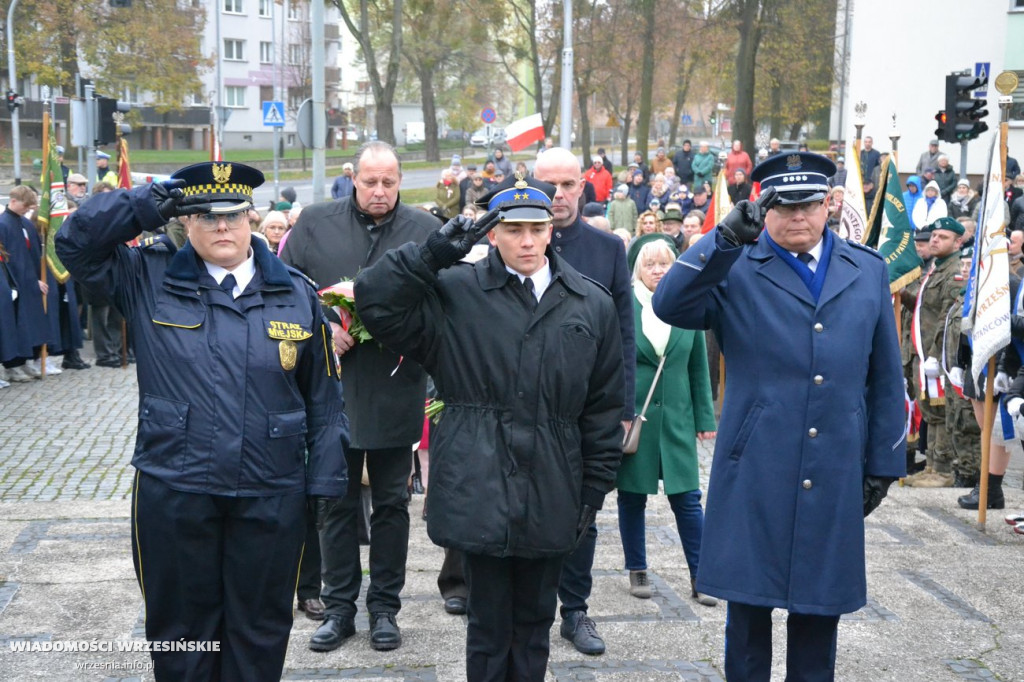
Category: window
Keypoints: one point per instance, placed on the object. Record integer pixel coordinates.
(266, 52)
(197, 100)
(234, 96)
(294, 11)
(296, 54)
(233, 6)
(266, 8)
(234, 49)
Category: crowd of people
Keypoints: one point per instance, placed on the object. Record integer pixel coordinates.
(561, 278)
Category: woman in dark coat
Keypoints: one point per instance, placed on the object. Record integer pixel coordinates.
(680, 412)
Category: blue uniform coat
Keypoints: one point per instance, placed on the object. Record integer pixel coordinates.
(221, 410)
(24, 267)
(813, 403)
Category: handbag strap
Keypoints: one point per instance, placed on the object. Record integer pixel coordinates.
(650, 393)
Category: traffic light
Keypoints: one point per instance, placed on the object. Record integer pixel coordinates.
(106, 126)
(13, 101)
(942, 120)
(964, 113)
(712, 118)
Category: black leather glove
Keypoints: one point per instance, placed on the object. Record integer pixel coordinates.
(875, 490)
(742, 225)
(453, 241)
(171, 201)
(587, 516)
(320, 508)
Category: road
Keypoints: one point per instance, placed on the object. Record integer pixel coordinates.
(416, 178)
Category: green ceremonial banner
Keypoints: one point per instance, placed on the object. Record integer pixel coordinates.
(891, 230)
(53, 204)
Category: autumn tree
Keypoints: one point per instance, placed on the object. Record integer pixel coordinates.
(381, 22)
(154, 47)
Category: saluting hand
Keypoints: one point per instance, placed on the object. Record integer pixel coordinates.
(742, 225)
(171, 201)
(453, 241)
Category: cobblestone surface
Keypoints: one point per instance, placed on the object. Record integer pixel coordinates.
(66, 573)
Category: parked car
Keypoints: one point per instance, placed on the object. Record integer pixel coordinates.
(479, 138)
(456, 135)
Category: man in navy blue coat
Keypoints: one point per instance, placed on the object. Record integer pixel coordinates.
(599, 256)
(812, 429)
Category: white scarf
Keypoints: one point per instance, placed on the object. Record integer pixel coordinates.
(656, 331)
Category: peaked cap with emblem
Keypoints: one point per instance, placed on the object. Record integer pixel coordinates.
(520, 200)
(227, 186)
(799, 177)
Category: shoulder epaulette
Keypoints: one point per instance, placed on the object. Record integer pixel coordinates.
(303, 276)
(599, 285)
(865, 248)
(158, 241)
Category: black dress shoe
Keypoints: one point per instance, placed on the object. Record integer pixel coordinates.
(74, 361)
(313, 608)
(108, 363)
(334, 631)
(455, 605)
(384, 632)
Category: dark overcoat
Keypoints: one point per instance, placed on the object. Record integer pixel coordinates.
(813, 403)
(533, 398)
(24, 267)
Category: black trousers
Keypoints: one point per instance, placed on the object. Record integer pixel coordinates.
(810, 645)
(576, 581)
(217, 569)
(511, 607)
(309, 584)
(389, 535)
(451, 580)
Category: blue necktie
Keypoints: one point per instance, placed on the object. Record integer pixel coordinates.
(228, 285)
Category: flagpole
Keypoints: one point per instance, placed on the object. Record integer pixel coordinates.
(43, 229)
(986, 432)
(986, 443)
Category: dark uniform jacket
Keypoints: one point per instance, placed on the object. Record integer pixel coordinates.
(530, 429)
(813, 402)
(225, 407)
(600, 256)
(335, 240)
(24, 263)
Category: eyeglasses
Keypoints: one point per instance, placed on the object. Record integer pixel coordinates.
(211, 221)
(790, 210)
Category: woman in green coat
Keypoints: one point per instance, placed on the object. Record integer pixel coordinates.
(680, 412)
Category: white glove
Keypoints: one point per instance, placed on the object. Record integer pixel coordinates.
(1013, 406)
(931, 368)
(956, 376)
(1001, 383)
(1018, 426)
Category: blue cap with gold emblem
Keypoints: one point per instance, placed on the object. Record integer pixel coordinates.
(798, 178)
(226, 186)
(520, 200)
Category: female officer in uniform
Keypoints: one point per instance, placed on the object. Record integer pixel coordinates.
(237, 383)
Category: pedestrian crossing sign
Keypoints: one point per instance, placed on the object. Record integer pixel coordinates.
(273, 114)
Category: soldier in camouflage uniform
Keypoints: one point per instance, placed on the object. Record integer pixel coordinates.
(939, 289)
(964, 432)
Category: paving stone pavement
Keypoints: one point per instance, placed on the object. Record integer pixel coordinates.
(944, 597)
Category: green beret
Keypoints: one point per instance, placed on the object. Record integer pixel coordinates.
(947, 223)
(634, 248)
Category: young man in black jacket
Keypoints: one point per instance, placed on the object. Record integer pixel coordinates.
(526, 354)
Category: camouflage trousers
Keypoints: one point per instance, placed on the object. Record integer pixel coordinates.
(940, 448)
(964, 435)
